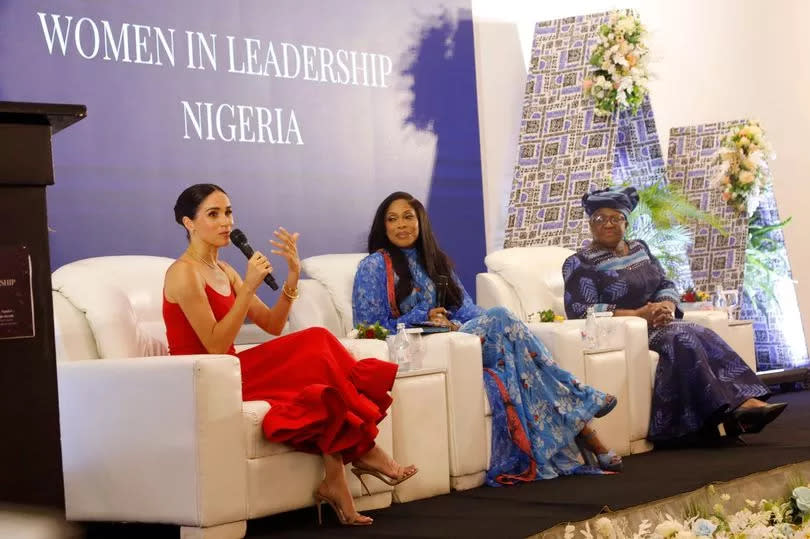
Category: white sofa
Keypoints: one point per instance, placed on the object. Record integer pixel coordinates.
(529, 279)
(148, 437)
(326, 301)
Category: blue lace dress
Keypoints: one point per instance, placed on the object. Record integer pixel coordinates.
(699, 377)
(537, 407)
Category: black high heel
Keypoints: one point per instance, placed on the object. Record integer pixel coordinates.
(753, 420)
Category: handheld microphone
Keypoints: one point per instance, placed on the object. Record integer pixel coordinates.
(240, 241)
(441, 290)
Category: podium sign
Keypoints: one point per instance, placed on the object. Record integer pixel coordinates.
(16, 294)
(30, 452)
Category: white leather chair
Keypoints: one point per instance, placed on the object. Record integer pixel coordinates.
(529, 279)
(326, 301)
(148, 437)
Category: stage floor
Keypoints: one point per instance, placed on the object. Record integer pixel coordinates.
(524, 510)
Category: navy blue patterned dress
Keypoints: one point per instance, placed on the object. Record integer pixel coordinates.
(699, 377)
(537, 407)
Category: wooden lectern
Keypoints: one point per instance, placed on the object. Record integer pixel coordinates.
(30, 453)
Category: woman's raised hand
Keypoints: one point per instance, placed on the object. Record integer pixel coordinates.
(258, 267)
(286, 245)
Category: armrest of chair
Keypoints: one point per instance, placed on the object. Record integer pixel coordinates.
(154, 439)
(365, 348)
(460, 355)
(564, 341)
(716, 321)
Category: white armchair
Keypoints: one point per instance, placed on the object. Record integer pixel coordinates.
(148, 437)
(326, 301)
(529, 279)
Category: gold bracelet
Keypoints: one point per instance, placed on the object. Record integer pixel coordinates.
(292, 295)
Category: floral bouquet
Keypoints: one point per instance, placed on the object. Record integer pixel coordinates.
(691, 295)
(784, 518)
(369, 331)
(545, 316)
(743, 172)
(620, 58)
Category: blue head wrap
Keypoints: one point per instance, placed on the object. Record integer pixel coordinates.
(623, 199)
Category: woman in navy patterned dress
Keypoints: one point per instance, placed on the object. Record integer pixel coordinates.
(538, 409)
(700, 381)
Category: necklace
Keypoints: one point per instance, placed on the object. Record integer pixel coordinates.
(201, 259)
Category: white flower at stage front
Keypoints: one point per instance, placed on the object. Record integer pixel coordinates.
(604, 528)
(569, 531)
(668, 528)
(802, 497)
(685, 534)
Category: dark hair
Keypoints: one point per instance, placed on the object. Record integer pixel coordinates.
(432, 258)
(189, 201)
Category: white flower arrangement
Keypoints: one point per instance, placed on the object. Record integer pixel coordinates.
(787, 518)
(743, 172)
(620, 58)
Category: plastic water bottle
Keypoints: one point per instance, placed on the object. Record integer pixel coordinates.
(402, 352)
(591, 333)
(416, 347)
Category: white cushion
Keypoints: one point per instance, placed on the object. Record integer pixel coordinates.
(315, 307)
(336, 273)
(535, 273)
(122, 299)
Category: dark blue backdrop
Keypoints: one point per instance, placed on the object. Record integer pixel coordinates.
(119, 171)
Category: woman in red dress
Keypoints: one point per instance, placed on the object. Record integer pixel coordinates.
(322, 399)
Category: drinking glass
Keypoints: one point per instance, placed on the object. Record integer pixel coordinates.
(732, 299)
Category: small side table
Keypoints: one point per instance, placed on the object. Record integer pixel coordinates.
(420, 436)
(741, 340)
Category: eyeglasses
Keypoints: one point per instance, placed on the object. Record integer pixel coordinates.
(600, 219)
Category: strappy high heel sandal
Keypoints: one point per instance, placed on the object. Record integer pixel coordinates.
(609, 462)
(360, 471)
(610, 404)
(344, 520)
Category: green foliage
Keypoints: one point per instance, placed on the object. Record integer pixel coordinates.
(666, 204)
(763, 258)
(660, 220)
(371, 331)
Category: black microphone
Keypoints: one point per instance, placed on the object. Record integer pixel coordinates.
(441, 290)
(240, 240)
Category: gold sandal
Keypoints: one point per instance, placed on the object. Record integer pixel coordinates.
(360, 471)
(344, 520)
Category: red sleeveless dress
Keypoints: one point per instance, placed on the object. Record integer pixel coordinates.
(322, 400)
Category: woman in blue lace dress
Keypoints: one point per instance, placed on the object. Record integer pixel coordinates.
(700, 381)
(540, 412)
